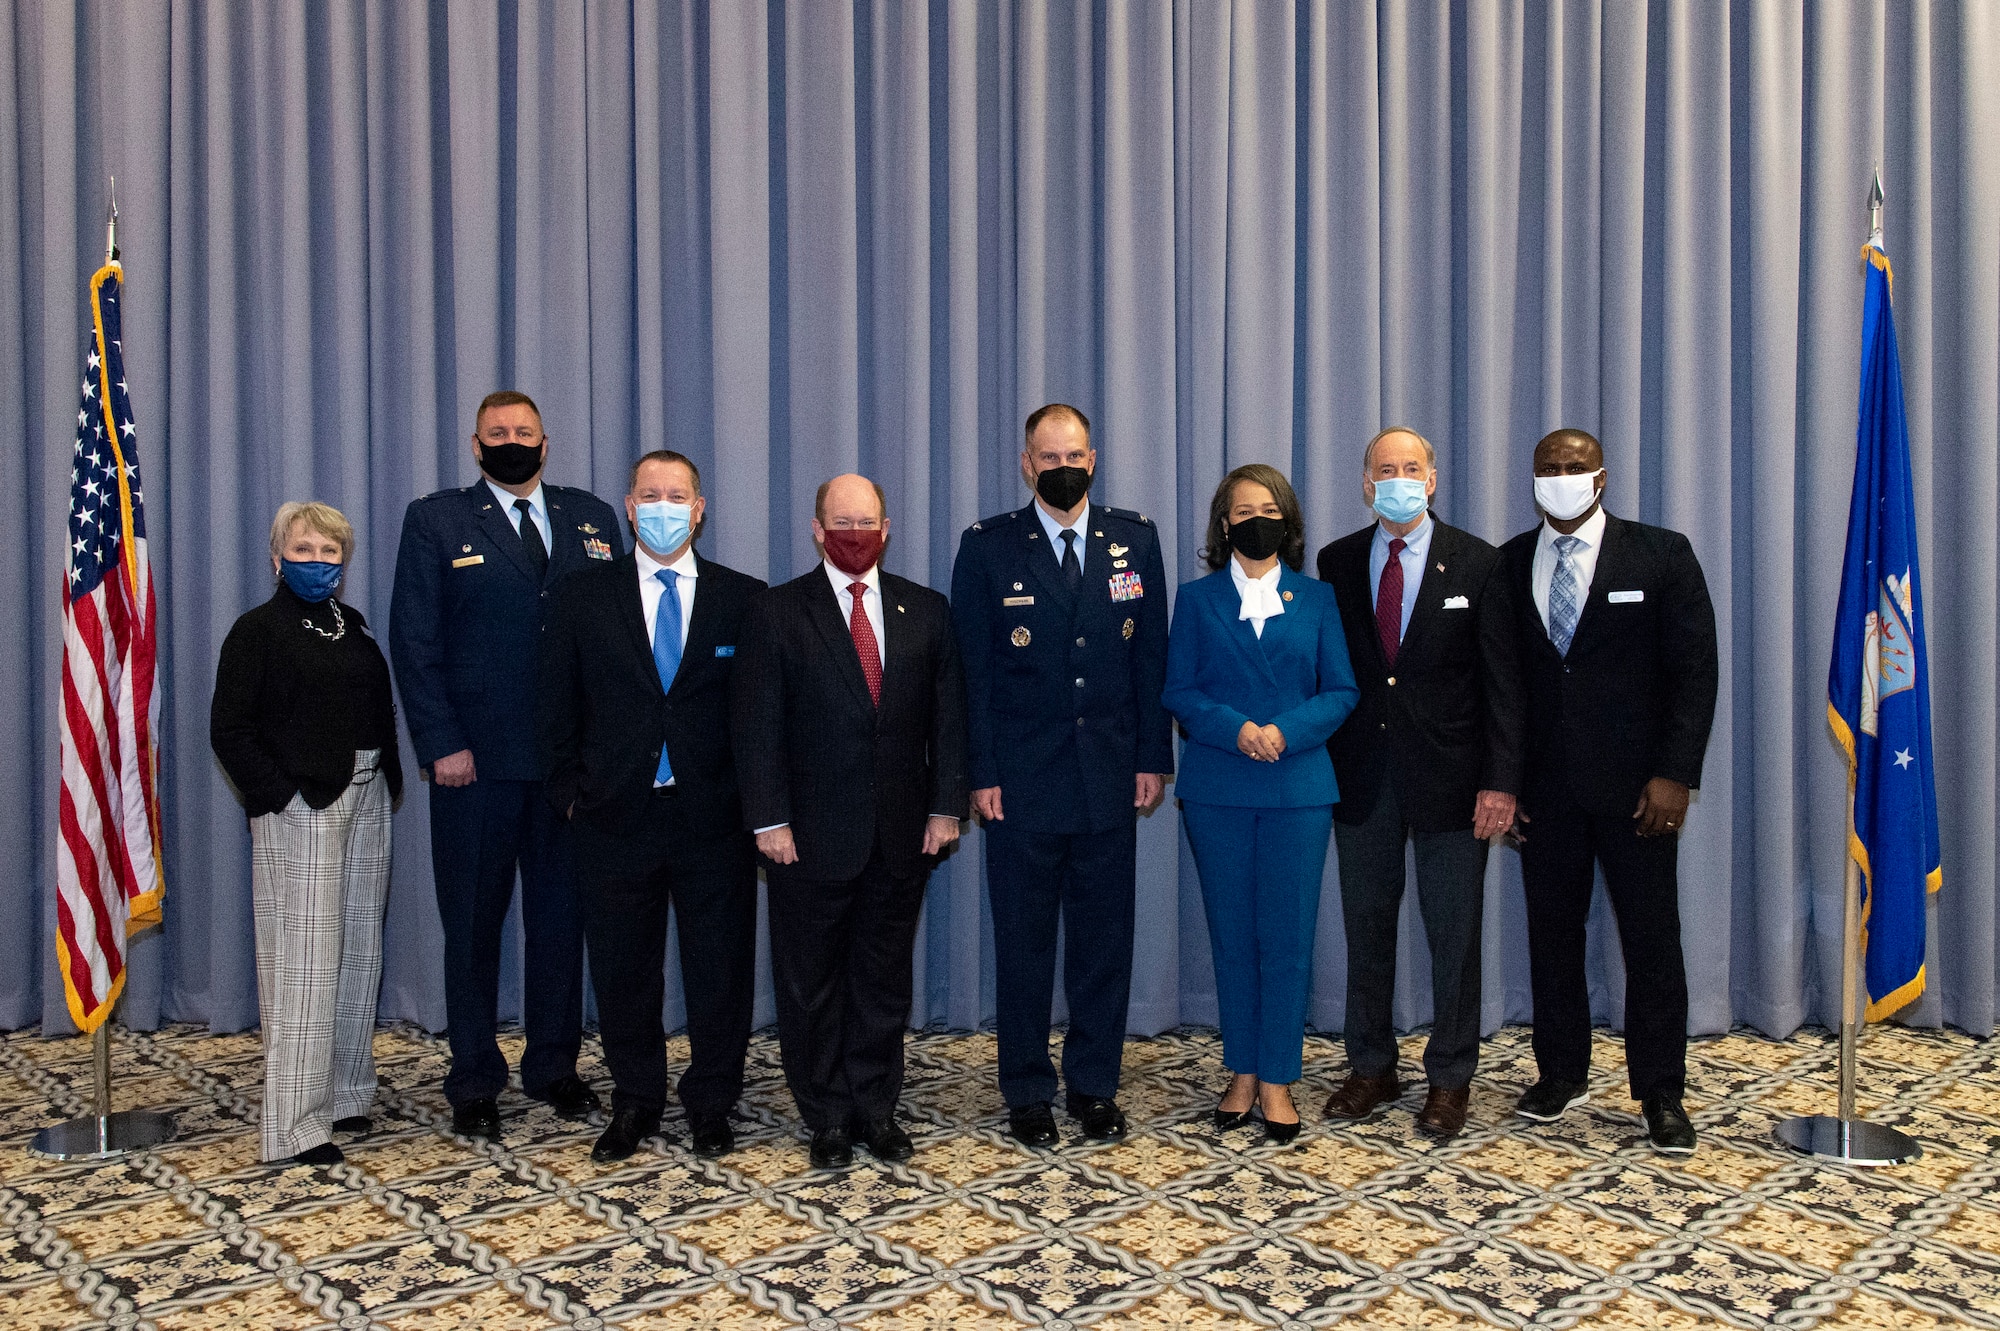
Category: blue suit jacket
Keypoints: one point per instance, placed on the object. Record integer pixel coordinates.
(1296, 677)
(466, 621)
(1062, 691)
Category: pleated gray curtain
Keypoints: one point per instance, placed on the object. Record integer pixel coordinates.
(791, 238)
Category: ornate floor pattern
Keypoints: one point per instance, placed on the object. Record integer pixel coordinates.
(1576, 1224)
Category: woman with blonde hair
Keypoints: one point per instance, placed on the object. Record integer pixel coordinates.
(304, 726)
(1258, 676)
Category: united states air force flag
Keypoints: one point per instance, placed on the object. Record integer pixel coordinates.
(1879, 688)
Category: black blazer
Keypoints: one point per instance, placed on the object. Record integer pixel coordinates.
(1450, 724)
(813, 751)
(1635, 697)
(602, 715)
(291, 707)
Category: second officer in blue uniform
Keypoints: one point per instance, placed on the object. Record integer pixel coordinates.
(1061, 613)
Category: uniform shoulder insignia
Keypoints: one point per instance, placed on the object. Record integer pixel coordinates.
(439, 494)
(1129, 516)
(993, 522)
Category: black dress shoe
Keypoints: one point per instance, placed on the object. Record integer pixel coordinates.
(832, 1148)
(887, 1142)
(1101, 1118)
(1546, 1100)
(628, 1127)
(1228, 1120)
(711, 1135)
(1667, 1125)
(569, 1097)
(1280, 1134)
(358, 1124)
(326, 1153)
(477, 1118)
(1033, 1125)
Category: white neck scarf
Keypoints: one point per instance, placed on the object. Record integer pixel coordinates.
(1260, 599)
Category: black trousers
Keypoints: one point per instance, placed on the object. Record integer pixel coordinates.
(1640, 877)
(1451, 893)
(1087, 880)
(627, 883)
(480, 834)
(841, 962)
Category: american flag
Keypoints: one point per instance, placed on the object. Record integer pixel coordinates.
(108, 865)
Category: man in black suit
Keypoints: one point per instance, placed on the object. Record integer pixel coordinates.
(1431, 755)
(634, 729)
(1617, 647)
(848, 716)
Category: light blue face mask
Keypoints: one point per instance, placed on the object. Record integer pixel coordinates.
(663, 526)
(310, 579)
(1400, 499)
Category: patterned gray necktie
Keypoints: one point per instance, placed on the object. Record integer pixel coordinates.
(1562, 595)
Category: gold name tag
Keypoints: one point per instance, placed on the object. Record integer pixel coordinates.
(468, 561)
(1017, 600)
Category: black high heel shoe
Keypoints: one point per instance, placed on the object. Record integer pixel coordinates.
(1228, 1120)
(1281, 1134)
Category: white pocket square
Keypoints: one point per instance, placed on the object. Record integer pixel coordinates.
(1625, 598)
(1458, 603)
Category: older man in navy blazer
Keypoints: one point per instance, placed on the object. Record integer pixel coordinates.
(474, 578)
(1061, 613)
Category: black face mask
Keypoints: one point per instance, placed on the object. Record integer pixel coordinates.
(1257, 538)
(511, 464)
(1063, 488)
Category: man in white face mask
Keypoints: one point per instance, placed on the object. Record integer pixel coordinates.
(634, 726)
(1616, 639)
(1431, 755)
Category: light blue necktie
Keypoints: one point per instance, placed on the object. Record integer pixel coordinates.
(667, 652)
(1562, 595)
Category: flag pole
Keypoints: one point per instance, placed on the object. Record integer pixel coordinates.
(102, 1134)
(1847, 1137)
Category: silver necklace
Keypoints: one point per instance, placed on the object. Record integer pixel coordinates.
(339, 624)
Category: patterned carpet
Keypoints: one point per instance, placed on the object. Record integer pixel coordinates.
(1576, 1224)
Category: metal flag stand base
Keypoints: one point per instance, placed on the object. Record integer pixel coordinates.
(103, 1135)
(1847, 1138)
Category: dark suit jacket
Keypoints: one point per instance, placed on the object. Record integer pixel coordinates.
(467, 616)
(813, 751)
(1635, 697)
(291, 708)
(603, 715)
(1450, 724)
(1063, 691)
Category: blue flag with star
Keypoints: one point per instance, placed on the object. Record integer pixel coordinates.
(1878, 692)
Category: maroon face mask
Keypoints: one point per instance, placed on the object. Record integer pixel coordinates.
(853, 550)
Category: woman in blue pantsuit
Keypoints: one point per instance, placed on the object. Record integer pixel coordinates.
(1257, 673)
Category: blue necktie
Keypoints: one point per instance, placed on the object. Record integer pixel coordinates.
(1562, 595)
(667, 652)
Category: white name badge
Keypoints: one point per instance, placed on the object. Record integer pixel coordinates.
(1625, 598)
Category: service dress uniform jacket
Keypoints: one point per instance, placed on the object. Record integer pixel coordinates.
(1063, 712)
(464, 631)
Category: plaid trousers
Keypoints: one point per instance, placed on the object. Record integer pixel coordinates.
(318, 881)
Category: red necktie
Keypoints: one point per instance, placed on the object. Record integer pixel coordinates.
(1389, 602)
(864, 642)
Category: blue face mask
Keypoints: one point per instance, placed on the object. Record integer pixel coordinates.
(310, 580)
(664, 527)
(1400, 499)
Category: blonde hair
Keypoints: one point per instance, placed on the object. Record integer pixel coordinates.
(322, 518)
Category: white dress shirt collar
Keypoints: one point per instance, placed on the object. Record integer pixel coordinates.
(1258, 597)
(536, 501)
(841, 582)
(1591, 533)
(1055, 529)
(650, 567)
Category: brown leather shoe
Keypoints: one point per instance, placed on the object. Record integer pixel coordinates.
(1443, 1114)
(1358, 1096)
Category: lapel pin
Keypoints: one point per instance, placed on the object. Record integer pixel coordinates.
(899, 609)
(465, 549)
(1440, 568)
(1097, 533)
(1288, 596)
(1017, 586)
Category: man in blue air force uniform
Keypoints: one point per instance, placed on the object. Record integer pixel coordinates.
(475, 576)
(1061, 614)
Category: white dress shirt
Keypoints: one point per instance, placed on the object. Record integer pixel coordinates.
(871, 601)
(538, 504)
(1416, 551)
(1582, 558)
(1259, 599)
(651, 589)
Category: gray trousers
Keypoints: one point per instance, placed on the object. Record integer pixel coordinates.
(1451, 881)
(318, 882)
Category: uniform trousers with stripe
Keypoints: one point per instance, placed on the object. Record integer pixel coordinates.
(318, 881)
